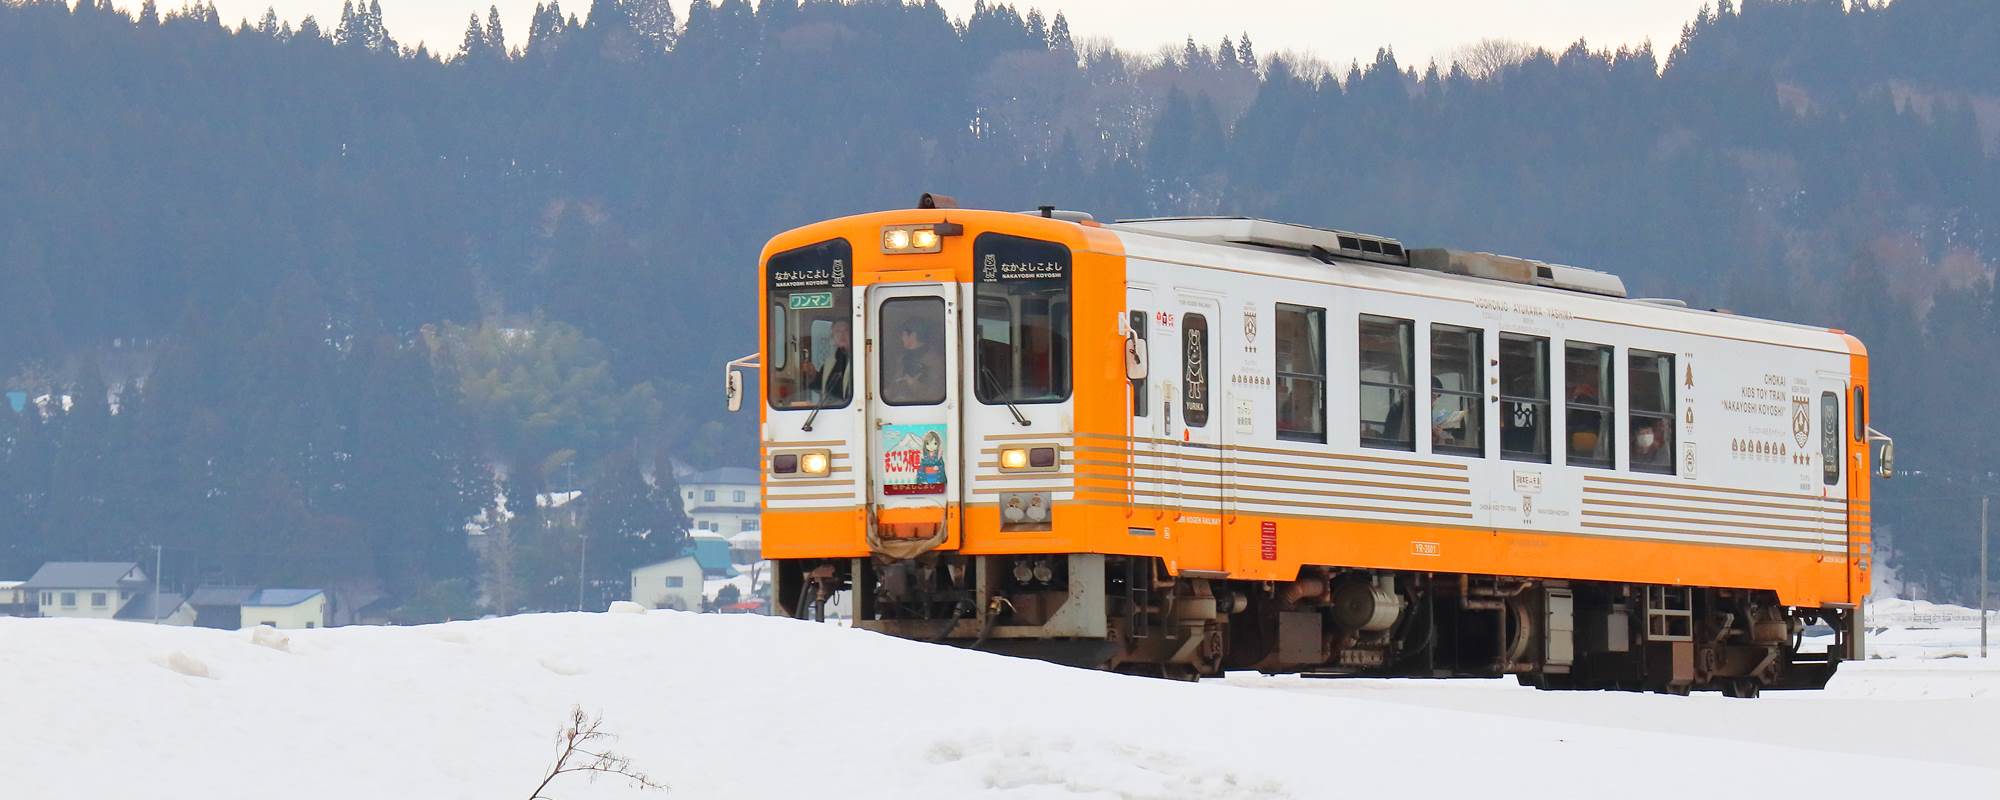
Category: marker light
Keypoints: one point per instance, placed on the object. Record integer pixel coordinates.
(1014, 458)
(813, 463)
(785, 464)
(922, 238)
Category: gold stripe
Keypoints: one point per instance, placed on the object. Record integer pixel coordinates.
(1015, 436)
(1024, 476)
(1652, 518)
(786, 484)
(1332, 468)
(1422, 512)
(841, 496)
(1277, 451)
(1796, 544)
(1266, 476)
(1597, 491)
(1701, 487)
(1589, 501)
(826, 443)
(1465, 502)
(1006, 489)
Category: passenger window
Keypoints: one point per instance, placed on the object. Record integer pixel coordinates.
(1829, 437)
(1457, 415)
(1589, 408)
(1301, 373)
(1139, 405)
(1387, 377)
(911, 364)
(1194, 361)
(1524, 397)
(1651, 378)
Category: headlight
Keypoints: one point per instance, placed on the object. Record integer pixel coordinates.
(1014, 458)
(923, 239)
(920, 238)
(896, 239)
(813, 463)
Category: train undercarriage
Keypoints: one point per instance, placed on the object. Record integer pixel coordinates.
(1126, 614)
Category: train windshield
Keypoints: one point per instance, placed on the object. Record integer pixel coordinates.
(810, 346)
(1022, 303)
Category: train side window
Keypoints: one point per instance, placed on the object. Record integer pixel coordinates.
(1829, 437)
(1860, 414)
(1388, 376)
(1589, 404)
(1524, 397)
(1301, 373)
(1139, 405)
(1194, 362)
(1651, 378)
(1458, 358)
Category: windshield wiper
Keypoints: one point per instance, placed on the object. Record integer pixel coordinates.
(986, 373)
(824, 395)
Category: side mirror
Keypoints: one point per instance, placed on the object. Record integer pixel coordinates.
(1135, 357)
(733, 390)
(1885, 456)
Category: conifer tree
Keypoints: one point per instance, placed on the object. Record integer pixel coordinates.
(475, 47)
(309, 30)
(496, 39)
(351, 32)
(1225, 54)
(1245, 56)
(269, 24)
(1059, 37)
(149, 14)
(656, 24)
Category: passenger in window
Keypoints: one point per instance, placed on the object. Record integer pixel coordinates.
(1447, 418)
(919, 363)
(1584, 423)
(830, 379)
(1649, 443)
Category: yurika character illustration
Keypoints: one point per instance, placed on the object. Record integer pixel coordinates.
(930, 465)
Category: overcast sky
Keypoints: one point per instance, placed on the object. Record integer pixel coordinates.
(1335, 30)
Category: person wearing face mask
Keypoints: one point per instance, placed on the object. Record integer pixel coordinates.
(1648, 443)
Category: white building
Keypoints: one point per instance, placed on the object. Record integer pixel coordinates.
(286, 608)
(674, 584)
(722, 501)
(87, 589)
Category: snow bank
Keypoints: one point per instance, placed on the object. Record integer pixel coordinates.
(753, 707)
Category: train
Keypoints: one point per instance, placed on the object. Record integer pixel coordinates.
(1183, 446)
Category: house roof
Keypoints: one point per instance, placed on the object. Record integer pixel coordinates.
(712, 552)
(678, 559)
(749, 538)
(142, 606)
(281, 597)
(222, 595)
(82, 575)
(724, 475)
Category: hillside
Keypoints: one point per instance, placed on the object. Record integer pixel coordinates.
(751, 707)
(315, 294)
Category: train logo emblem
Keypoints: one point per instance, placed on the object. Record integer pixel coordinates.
(839, 272)
(1249, 327)
(990, 268)
(1527, 509)
(1801, 419)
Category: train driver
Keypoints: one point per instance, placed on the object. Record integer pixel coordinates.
(830, 378)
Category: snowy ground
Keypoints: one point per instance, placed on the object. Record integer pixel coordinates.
(754, 707)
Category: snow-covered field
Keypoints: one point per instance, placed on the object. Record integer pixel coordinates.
(754, 707)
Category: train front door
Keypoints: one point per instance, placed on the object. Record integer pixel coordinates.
(915, 473)
(1830, 423)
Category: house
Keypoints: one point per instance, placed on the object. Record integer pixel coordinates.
(713, 553)
(674, 583)
(286, 608)
(169, 609)
(722, 501)
(87, 589)
(220, 606)
(16, 601)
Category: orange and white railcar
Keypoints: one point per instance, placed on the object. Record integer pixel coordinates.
(1179, 446)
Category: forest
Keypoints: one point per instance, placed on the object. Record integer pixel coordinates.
(301, 304)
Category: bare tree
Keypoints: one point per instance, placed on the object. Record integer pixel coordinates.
(1487, 57)
(581, 750)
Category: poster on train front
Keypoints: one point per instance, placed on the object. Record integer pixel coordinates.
(913, 459)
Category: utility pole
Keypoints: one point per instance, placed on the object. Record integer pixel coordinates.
(1982, 575)
(582, 558)
(156, 597)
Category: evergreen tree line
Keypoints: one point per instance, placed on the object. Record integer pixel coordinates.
(321, 299)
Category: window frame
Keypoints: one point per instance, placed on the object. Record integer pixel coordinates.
(888, 346)
(820, 266)
(1061, 315)
(1607, 406)
(1408, 335)
(1197, 391)
(1278, 384)
(1545, 403)
(1665, 414)
(1476, 396)
(1831, 455)
(1136, 318)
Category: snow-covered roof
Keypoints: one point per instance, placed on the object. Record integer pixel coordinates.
(144, 607)
(83, 575)
(222, 595)
(722, 475)
(280, 598)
